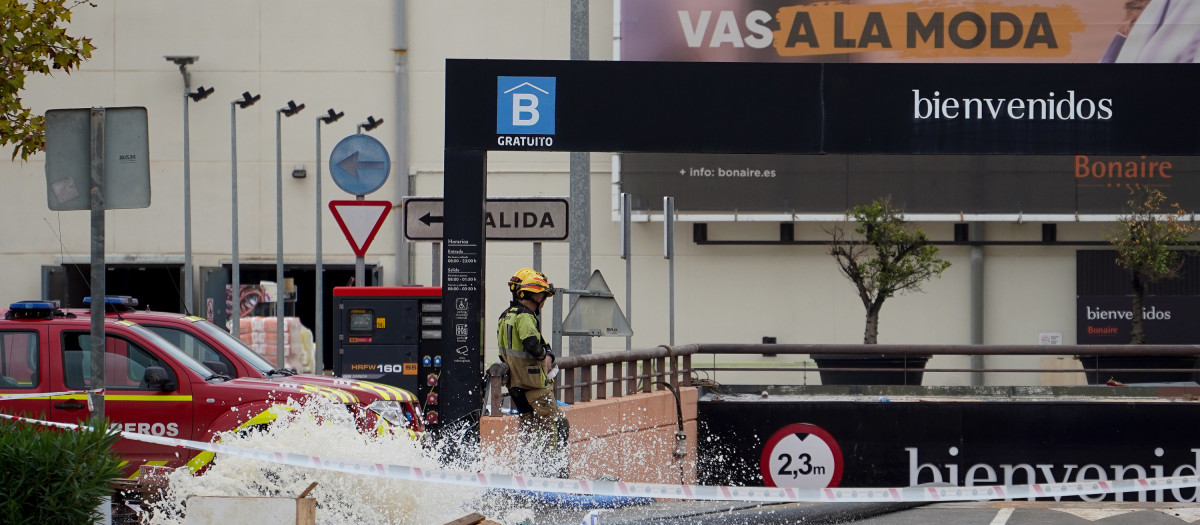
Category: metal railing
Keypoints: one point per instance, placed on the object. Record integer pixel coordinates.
(965, 350)
(614, 374)
(583, 378)
(1048, 350)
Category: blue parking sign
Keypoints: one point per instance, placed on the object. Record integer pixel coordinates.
(525, 105)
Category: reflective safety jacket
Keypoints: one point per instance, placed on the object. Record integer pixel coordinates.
(522, 348)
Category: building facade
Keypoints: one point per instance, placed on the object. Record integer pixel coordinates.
(386, 60)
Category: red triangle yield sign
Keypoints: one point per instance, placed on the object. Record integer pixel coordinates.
(360, 221)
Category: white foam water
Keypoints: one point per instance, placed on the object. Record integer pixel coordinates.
(327, 430)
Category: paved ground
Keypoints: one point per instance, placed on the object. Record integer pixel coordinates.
(1043, 513)
(983, 513)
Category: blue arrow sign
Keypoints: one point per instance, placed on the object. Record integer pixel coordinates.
(352, 164)
(359, 164)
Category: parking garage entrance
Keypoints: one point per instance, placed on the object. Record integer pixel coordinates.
(799, 109)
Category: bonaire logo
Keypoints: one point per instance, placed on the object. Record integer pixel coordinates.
(525, 106)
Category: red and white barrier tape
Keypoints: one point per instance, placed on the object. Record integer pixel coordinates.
(659, 490)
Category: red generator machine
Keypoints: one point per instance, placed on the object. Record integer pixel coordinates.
(392, 335)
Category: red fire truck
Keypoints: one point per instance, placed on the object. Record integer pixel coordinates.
(226, 355)
(151, 386)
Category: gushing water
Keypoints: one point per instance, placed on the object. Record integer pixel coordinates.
(327, 430)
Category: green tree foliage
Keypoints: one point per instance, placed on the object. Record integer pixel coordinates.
(1150, 243)
(890, 258)
(33, 41)
(54, 476)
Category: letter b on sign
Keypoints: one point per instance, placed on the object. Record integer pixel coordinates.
(524, 110)
(525, 105)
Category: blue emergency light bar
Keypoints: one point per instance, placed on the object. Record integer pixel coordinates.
(34, 305)
(33, 310)
(119, 300)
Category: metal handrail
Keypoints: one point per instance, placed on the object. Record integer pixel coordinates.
(598, 376)
(586, 377)
(925, 351)
(911, 349)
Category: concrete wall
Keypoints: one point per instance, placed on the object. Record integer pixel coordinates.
(631, 437)
(242, 510)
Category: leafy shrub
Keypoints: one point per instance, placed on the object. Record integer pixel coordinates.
(54, 476)
(1151, 243)
(891, 258)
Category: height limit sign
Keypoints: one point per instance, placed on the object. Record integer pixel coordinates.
(801, 456)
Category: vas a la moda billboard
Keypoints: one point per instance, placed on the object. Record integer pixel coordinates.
(896, 32)
(913, 31)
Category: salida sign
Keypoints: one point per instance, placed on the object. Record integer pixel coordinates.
(509, 219)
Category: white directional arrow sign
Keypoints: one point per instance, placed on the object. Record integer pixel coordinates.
(352, 164)
(360, 221)
(505, 218)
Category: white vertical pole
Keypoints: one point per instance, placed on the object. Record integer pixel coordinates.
(627, 254)
(96, 399)
(279, 288)
(360, 262)
(235, 321)
(580, 226)
(669, 254)
(188, 298)
(319, 320)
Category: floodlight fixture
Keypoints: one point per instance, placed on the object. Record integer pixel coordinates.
(332, 117)
(370, 124)
(201, 94)
(183, 61)
(291, 109)
(247, 100)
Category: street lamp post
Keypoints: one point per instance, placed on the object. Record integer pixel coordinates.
(246, 101)
(288, 111)
(200, 94)
(329, 118)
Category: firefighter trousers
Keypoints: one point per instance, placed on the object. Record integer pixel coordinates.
(544, 429)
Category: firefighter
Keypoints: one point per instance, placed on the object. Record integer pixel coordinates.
(531, 368)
